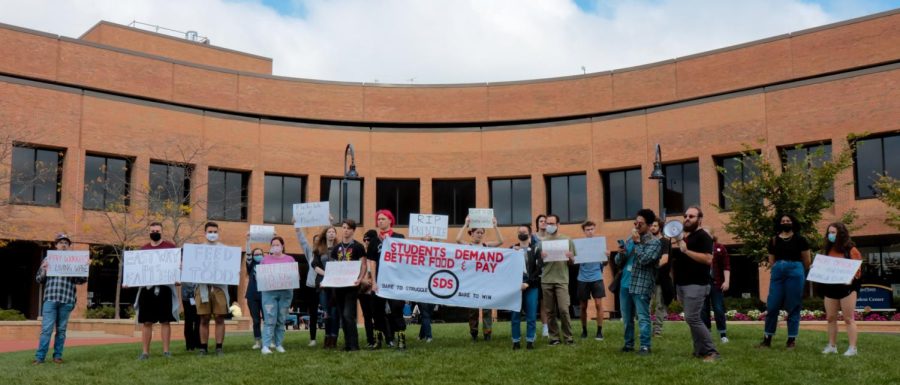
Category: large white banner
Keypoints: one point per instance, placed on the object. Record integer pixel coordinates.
(68, 263)
(451, 274)
(428, 225)
(827, 269)
(589, 250)
(277, 276)
(151, 267)
(341, 273)
(218, 265)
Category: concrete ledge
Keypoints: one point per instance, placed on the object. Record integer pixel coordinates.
(16, 330)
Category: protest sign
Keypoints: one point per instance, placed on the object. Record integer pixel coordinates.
(827, 269)
(151, 267)
(68, 263)
(428, 225)
(312, 214)
(451, 274)
(481, 218)
(212, 264)
(556, 250)
(341, 274)
(590, 249)
(277, 276)
(261, 234)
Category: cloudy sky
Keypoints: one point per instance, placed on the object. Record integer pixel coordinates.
(452, 41)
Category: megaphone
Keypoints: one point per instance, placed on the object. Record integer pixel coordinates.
(673, 229)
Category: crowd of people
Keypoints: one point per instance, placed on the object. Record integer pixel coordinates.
(649, 268)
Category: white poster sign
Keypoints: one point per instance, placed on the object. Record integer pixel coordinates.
(313, 214)
(218, 265)
(261, 234)
(451, 274)
(827, 269)
(68, 263)
(428, 225)
(341, 274)
(277, 276)
(590, 249)
(481, 218)
(151, 267)
(556, 250)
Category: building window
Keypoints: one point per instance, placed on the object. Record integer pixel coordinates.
(453, 198)
(812, 156)
(170, 186)
(511, 200)
(36, 176)
(873, 158)
(106, 183)
(227, 195)
(331, 190)
(281, 192)
(622, 194)
(682, 187)
(399, 196)
(567, 197)
(732, 169)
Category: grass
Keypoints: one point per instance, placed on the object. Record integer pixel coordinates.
(453, 359)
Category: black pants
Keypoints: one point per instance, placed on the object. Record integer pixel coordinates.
(191, 326)
(346, 306)
(311, 297)
(366, 302)
(396, 321)
(379, 316)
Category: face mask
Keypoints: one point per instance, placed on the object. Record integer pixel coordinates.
(275, 250)
(832, 237)
(785, 227)
(551, 229)
(523, 237)
(258, 258)
(155, 237)
(212, 237)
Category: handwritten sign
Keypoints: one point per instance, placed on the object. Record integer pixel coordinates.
(556, 250)
(278, 276)
(69, 263)
(151, 267)
(341, 274)
(589, 250)
(261, 234)
(428, 225)
(218, 265)
(833, 270)
(481, 218)
(312, 214)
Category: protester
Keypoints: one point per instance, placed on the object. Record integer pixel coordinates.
(212, 301)
(156, 303)
(638, 257)
(59, 300)
(840, 297)
(590, 285)
(555, 284)
(348, 249)
(276, 303)
(324, 244)
(691, 261)
(308, 289)
(395, 327)
(540, 230)
(788, 260)
(531, 285)
(253, 296)
(367, 298)
(721, 274)
(665, 290)
(476, 236)
(191, 319)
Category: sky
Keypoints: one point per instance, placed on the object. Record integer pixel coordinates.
(452, 41)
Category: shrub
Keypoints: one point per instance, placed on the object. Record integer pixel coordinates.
(11, 315)
(102, 312)
(744, 305)
(676, 307)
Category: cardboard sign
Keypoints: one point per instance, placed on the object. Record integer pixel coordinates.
(341, 274)
(589, 250)
(556, 250)
(313, 214)
(451, 274)
(428, 225)
(277, 276)
(261, 234)
(217, 265)
(481, 218)
(69, 263)
(151, 267)
(827, 269)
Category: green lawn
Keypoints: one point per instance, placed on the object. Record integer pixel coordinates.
(453, 359)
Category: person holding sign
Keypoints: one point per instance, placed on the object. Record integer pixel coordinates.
(346, 297)
(691, 262)
(840, 297)
(156, 303)
(477, 239)
(788, 259)
(212, 301)
(590, 285)
(59, 301)
(555, 282)
(395, 325)
(638, 258)
(324, 244)
(531, 285)
(253, 295)
(308, 291)
(275, 303)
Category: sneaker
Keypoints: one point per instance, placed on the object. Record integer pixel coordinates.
(265, 350)
(627, 349)
(554, 342)
(202, 352)
(370, 346)
(272, 345)
(766, 343)
(57, 360)
(546, 331)
(790, 344)
(428, 340)
(599, 336)
(487, 337)
(583, 334)
(830, 349)
(38, 362)
(529, 345)
(142, 357)
(279, 349)
(313, 343)
(657, 333)
(401, 340)
(167, 354)
(724, 340)
(219, 352)
(256, 345)
(711, 357)
(474, 336)
(517, 346)
(851, 351)
(644, 351)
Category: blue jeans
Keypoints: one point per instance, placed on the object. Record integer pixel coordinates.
(55, 314)
(785, 292)
(629, 304)
(331, 320)
(530, 303)
(717, 298)
(256, 315)
(275, 305)
(425, 310)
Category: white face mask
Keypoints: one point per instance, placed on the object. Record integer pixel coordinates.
(551, 229)
(275, 250)
(212, 237)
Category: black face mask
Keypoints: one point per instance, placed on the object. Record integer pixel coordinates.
(523, 237)
(155, 237)
(785, 227)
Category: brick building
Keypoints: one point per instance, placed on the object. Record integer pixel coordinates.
(123, 101)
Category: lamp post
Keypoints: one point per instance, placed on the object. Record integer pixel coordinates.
(349, 173)
(661, 177)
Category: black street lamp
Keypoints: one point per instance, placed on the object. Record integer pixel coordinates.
(661, 177)
(349, 173)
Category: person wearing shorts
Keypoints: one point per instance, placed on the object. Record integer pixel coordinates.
(212, 301)
(156, 304)
(590, 285)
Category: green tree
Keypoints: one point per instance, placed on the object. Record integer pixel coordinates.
(889, 193)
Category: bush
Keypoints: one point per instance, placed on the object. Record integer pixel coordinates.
(11, 315)
(676, 307)
(102, 312)
(744, 305)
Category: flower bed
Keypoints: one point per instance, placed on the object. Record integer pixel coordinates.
(805, 315)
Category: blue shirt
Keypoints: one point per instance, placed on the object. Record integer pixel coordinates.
(590, 272)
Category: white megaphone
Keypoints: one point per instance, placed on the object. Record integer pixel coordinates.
(673, 229)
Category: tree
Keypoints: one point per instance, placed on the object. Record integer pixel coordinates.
(796, 187)
(889, 193)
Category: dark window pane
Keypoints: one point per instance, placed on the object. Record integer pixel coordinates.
(891, 148)
(869, 162)
(36, 176)
(633, 192)
(674, 195)
(272, 199)
(94, 182)
(293, 193)
(117, 177)
(22, 185)
(521, 201)
(170, 185)
(559, 197)
(216, 195)
(354, 200)
(331, 191)
(399, 196)
(616, 200)
(453, 198)
(501, 200)
(46, 184)
(577, 198)
(691, 176)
